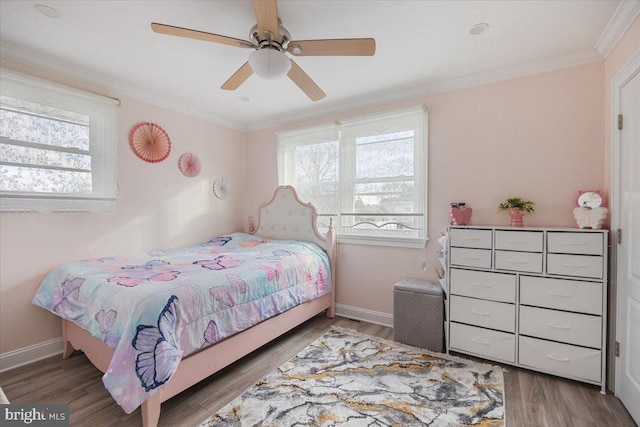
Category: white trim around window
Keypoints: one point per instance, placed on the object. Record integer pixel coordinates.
(367, 172)
(57, 147)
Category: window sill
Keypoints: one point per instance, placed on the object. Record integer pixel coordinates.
(34, 204)
(398, 242)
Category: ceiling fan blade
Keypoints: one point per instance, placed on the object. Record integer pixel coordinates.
(304, 82)
(333, 47)
(267, 16)
(198, 35)
(238, 77)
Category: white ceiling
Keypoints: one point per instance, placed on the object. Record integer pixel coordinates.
(422, 47)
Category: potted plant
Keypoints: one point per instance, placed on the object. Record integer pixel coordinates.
(516, 207)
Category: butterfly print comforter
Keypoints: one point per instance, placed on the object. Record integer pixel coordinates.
(156, 308)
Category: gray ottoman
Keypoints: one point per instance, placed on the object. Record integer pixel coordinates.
(418, 314)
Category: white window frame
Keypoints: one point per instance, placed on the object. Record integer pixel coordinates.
(378, 123)
(102, 145)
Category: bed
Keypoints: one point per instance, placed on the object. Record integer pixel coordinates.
(158, 323)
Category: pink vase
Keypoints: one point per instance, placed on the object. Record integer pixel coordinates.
(516, 217)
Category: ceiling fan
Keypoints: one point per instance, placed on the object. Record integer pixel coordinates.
(271, 41)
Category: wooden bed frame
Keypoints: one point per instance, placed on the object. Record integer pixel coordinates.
(284, 217)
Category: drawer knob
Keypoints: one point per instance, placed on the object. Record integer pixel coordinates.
(518, 241)
(555, 294)
(574, 243)
(553, 325)
(470, 257)
(517, 261)
(483, 342)
(557, 358)
(480, 313)
(470, 238)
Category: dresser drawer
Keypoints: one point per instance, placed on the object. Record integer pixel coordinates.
(471, 257)
(563, 359)
(482, 284)
(575, 243)
(470, 238)
(519, 261)
(483, 342)
(571, 328)
(529, 241)
(575, 265)
(571, 295)
(488, 314)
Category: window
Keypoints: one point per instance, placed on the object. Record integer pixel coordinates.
(57, 147)
(368, 173)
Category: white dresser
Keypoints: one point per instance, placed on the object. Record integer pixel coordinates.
(530, 297)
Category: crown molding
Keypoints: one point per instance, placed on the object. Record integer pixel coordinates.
(407, 93)
(52, 65)
(623, 17)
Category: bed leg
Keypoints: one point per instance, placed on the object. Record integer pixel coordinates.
(151, 411)
(330, 312)
(67, 348)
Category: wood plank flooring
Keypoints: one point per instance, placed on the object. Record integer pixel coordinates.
(532, 399)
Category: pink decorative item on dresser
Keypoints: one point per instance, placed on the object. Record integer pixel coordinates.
(516, 207)
(460, 216)
(149, 142)
(189, 165)
(515, 214)
(590, 213)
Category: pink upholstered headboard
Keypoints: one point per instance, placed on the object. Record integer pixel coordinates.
(286, 217)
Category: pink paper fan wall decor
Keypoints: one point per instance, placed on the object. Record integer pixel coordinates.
(149, 142)
(189, 164)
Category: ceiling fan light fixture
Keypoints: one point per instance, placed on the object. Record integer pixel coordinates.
(269, 63)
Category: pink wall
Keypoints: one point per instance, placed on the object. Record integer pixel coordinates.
(540, 137)
(158, 207)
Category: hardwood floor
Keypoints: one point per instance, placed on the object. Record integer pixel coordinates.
(532, 399)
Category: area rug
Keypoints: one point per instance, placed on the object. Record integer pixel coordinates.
(346, 378)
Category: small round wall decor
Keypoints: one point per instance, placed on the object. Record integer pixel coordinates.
(189, 164)
(149, 142)
(222, 188)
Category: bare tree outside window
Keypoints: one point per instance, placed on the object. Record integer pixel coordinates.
(317, 167)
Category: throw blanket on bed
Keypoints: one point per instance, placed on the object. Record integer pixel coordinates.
(153, 309)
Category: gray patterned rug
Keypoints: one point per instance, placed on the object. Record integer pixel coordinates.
(346, 378)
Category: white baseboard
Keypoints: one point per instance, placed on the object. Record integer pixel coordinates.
(356, 313)
(33, 353)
